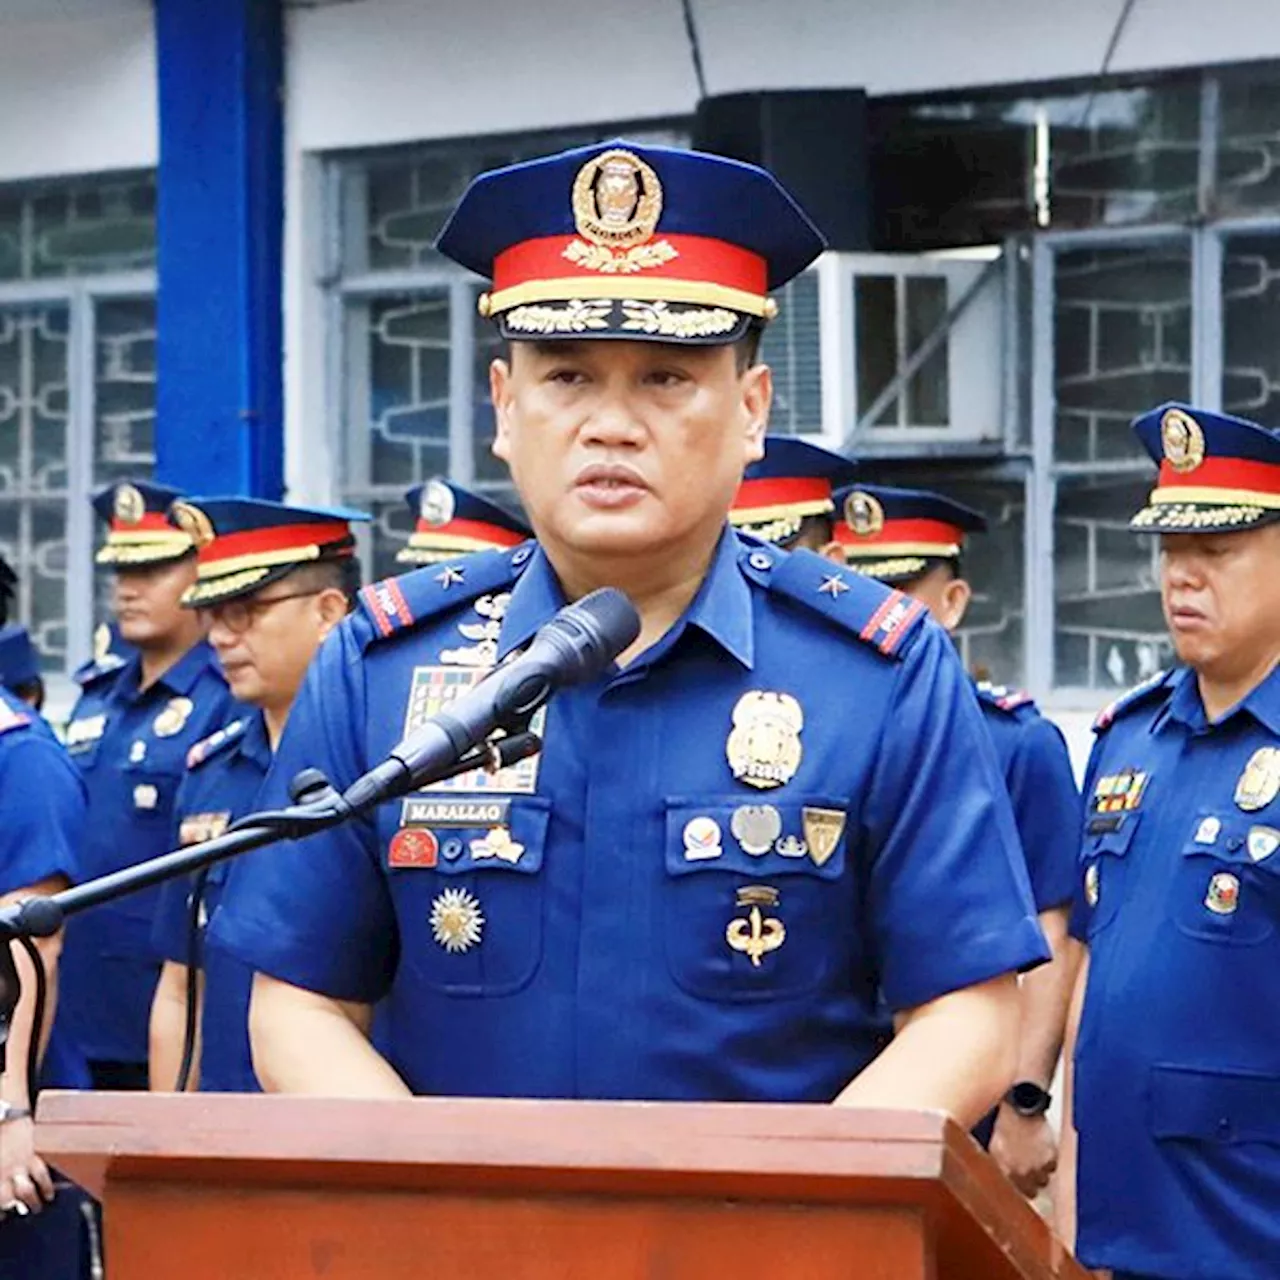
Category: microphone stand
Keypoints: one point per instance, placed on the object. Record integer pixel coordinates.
(317, 806)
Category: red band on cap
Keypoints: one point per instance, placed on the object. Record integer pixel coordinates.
(151, 522)
(476, 529)
(1239, 474)
(927, 533)
(781, 491)
(251, 542)
(696, 258)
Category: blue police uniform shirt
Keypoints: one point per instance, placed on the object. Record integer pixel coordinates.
(42, 801)
(223, 780)
(1177, 1077)
(130, 747)
(1042, 788)
(622, 916)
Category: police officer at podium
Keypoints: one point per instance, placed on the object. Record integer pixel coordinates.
(777, 804)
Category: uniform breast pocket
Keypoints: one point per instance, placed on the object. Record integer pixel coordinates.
(757, 906)
(470, 900)
(1226, 889)
(1108, 838)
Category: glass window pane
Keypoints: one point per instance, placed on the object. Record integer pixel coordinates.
(1251, 320)
(490, 475)
(33, 470)
(1248, 171)
(1121, 345)
(973, 168)
(1108, 630)
(791, 348)
(78, 228)
(875, 301)
(926, 308)
(124, 445)
(395, 204)
(406, 400)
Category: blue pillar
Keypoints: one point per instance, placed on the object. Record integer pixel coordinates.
(220, 215)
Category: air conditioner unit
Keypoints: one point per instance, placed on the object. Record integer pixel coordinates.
(890, 352)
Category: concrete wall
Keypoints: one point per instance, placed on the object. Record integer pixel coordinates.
(77, 88)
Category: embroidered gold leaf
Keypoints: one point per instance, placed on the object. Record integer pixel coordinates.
(658, 318)
(596, 257)
(573, 317)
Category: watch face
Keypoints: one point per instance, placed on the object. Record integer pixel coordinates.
(1029, 1099)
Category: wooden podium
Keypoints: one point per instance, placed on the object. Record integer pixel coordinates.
(219, 1187)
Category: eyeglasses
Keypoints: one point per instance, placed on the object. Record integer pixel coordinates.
(239, 615)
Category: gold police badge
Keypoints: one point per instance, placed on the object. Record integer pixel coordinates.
(436, 506)
(101, 642)
(1259, 784)
(1182, 439)
(764, 744)
(617, 201)
(173, 717)
(129, 505)
(1092, 888)
(193, 522)
(863, 514)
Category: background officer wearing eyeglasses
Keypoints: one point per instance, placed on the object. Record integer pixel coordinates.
(271, 582)
(129, 734)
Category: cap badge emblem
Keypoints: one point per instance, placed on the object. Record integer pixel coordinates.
(129, 505)
(617, 201)
(863, 514)
(1183, 440)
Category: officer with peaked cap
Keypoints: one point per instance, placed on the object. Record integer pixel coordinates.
(786, 496)
(915, 539)
(450, 521)
(129, 734)
(700, 886)
(271, 582)
(1176, 1094)
(20, 665)
(42, 819)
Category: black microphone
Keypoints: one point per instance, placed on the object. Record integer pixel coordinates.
(574, 647)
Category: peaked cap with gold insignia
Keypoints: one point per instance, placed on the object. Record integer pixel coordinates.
(793, 480)
(452, 521)
(242, 544)
(620, 240)
(895, 535)
(1218, 474)
(137, 531)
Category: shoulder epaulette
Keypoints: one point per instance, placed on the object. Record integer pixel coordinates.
(11, 718)
(1001, 696)
(209, 747)
(876, 614)
(395, 604)
(1127, 701)
(88, 672)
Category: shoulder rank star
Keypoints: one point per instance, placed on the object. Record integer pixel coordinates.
(833, 586)
(449, 576)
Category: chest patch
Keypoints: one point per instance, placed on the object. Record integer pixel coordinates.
(1119, 792)
(196, 828)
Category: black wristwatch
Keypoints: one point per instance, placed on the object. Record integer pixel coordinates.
(11, 1111)
(1028, 1099)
